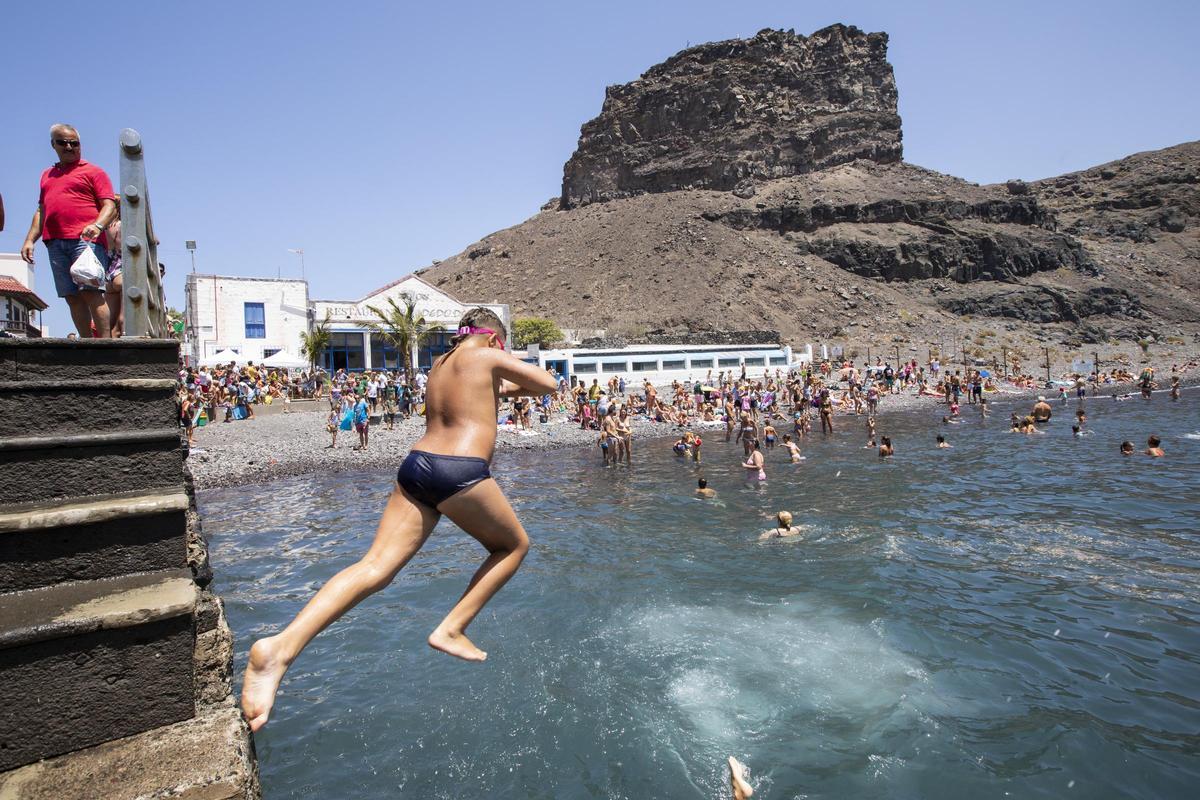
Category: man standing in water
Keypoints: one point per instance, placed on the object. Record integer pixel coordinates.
(1041, 410)
(448, 473)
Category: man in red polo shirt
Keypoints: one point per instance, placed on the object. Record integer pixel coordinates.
(75, 205)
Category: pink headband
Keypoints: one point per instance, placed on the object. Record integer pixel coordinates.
(470, 329)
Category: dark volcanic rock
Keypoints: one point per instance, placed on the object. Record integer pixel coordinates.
(1043, 304)
(717, 114)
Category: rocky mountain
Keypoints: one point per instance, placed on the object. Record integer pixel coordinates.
(730, 113)
(758, 184)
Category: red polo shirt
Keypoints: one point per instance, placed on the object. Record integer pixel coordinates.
(70, 198)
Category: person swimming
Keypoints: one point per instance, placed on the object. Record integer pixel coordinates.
(784, 527)
(942, 443)
(447, 473)
(1126, 448)
(885, 447)
(1154, 447)
(702, 489)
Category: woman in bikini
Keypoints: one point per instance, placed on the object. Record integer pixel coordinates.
(448, 473)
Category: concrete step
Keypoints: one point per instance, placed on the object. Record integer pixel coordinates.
(87, 359)
(36, 468)
(82, 405)
(206, 758)
(47, 543)
(86, 662)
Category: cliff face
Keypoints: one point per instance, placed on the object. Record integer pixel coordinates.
(725, 114)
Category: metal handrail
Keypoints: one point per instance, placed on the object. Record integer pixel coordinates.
(142, 293)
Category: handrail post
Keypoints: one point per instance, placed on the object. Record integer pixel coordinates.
(142, 294)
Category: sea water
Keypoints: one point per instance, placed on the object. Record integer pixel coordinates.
(1018, 616)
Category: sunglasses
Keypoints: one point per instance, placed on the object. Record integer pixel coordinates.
(67, 142)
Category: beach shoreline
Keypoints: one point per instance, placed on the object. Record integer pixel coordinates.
(289, 445)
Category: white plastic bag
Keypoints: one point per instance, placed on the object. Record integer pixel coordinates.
(87, 270)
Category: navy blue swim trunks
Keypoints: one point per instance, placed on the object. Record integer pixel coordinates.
(430, 478)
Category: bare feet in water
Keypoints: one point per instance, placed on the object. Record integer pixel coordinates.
(737, 780)
(264, 670)
(455, 644)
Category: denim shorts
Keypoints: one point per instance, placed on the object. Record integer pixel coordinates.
(63, 253)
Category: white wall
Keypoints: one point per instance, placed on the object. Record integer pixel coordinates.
(13, 266)
(217, 316)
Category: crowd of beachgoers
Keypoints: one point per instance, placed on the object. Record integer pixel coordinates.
(370, 419)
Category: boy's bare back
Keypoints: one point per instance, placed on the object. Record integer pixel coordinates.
(463, 396)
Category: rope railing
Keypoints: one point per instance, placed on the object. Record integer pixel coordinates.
(142, 293)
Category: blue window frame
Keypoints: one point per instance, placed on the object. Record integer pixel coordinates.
(256, 321)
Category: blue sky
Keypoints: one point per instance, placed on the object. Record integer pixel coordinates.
(379, 136)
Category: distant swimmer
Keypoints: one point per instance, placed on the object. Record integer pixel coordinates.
(983, 407)
(737, 780)
(792, 448)
(885, 447)
(784, 527)
(447, 472)
(1081, 416)
(1174, 387)
(942, 443)
(1041, 410)
(754, 463)
(1126, 448)
(702, 489)
(1154, 447)
(948, 421)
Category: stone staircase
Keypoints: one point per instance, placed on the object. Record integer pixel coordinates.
(114, 655)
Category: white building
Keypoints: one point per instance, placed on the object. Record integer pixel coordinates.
(258, 317)
(352, 347)
(662, 364)
(20, 307)
(253, 317)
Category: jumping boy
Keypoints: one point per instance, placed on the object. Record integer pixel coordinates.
(448, 473)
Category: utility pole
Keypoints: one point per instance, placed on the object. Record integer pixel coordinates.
(190, 244)
(300, 252)
(897, 358)
(1004, 355)
(1047, 349)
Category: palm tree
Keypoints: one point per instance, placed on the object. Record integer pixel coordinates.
(402, 328)
(316, 342)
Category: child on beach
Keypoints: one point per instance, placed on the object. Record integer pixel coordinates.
(448, 473)
(793, 450)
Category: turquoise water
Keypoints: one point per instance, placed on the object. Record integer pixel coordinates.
(1014, 617)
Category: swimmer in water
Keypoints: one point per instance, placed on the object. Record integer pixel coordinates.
(702, 489)
(737, 780)
(783, 528)
(793, 449)
(447, 472)
(1126, 448)
(1154, 447)
(1041, 410)
(948, 421)
(885, 447)
(1174, 387)
(754, 463)
(983, 407)
(769, 435)
(942, 443)
(1081, 416)
(1076, 431)
(871, 431)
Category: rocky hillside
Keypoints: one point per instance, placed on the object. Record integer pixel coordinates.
(757, 184)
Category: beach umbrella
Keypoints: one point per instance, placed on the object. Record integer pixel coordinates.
(222, 357)
(285, 360)
(983, 373)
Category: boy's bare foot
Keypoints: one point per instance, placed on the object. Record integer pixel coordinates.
(455, 644)
(737, 780)
(264, 670)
